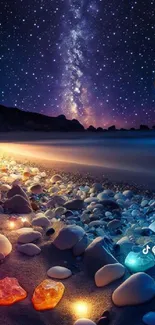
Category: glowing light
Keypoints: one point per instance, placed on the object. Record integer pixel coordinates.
(24, 219)
(81, 308)
(11, 224)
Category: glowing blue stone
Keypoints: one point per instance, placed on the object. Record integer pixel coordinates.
(138, 262)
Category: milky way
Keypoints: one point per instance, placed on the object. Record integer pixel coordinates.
(93, 60)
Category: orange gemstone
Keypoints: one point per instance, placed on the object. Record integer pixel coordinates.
(26, 174)
(11, 291)
(47, 294)
(4, 169)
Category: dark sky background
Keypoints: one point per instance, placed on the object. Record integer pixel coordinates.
(91, 60)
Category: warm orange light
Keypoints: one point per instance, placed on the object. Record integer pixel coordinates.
(81, 308)
(11, 224)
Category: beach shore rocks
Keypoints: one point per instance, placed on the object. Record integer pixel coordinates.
(84, 321)
(41, 221)
(137, 289)
(149, 318)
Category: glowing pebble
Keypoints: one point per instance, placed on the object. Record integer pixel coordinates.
(47, 295)
(11, 291)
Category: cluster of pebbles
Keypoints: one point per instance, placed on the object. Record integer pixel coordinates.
(100, 225)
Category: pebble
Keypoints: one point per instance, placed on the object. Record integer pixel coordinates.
(41, 221)
(137, 289)
(36, 189)
(55, 178)
(108, 274)
(68, 237)
(75, 204)
(59, 272)
(29, 236)
(149, 318)
(5, 245)
(29, 249)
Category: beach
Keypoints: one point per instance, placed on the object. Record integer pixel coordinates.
(80, 178)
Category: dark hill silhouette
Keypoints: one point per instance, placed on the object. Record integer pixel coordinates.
(14, 119)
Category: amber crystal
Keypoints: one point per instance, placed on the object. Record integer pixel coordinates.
(47, 294)
(11, 291)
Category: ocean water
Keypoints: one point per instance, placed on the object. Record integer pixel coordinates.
(123, 158)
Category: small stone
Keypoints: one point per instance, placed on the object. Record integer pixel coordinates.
(149, 318)
(41, 221)
(47, 294)
(59, 272)
(152, 226)
(55, 178)
(5, 187)
(29, 249)
(5, 245)
(128, 194)
(75, 204)
(68, 237)
(108, 274)
(144, 203)
(36, 189)
(84, 321)
(110, 205)
(29, 236)
(137, 289)
(11, 291)
(50, 231)
(114, 225)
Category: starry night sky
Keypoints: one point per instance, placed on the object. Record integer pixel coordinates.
(93, 60)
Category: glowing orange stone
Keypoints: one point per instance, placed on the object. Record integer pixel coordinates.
(47, 294)
(11, 291)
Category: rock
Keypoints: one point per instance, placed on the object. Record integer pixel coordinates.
(41, 221)
(29, 249)
(17, 204)
(75, 204)
(96, 256)
(108, 274)
(55, 178)
(91, 200)
(5, 245)
(138, 262)
(55, 201)
(110, 205)
(128, 194)
(80, 247)
(5, 187)
(11, 291)
(125, 245)
(59, 272)
(50, 231)
(36, 189)
(17, 190)
(137, 289)
(29, 236)
(50, 213)
(84, 321)
(114, 225)
(68, 237)
(47, 294)
(144, 203)
(34, 206)
(97, 187)
(152, 226)
(59, 211)
(149, 318)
